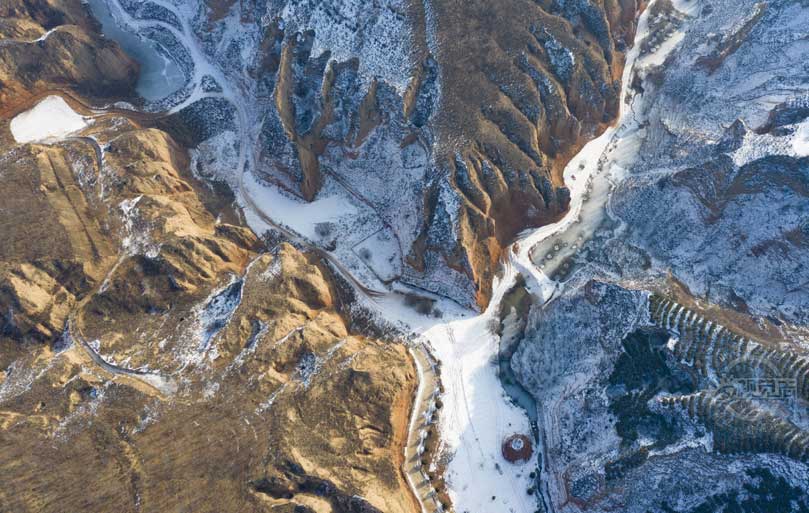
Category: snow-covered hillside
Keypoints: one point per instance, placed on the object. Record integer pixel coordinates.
(325, 119)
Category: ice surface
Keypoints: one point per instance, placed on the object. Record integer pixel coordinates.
(159, 76)
(477, 414)
(50, 119)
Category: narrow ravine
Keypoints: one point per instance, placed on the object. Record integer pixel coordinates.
(477, 414)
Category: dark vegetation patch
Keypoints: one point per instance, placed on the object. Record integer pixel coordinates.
(640, 373)
(764, 493)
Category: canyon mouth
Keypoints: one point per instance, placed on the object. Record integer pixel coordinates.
(404, 256)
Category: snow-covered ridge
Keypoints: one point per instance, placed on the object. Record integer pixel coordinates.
(756, 146)
(345, 28)
(704, 198)
(478, 415)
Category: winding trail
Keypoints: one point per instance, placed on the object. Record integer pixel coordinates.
(596, 169)
(159, 384)
(246, 125)
(590, 191)
(477, 411)
(17, 41)
(250, 203)
(79, 104)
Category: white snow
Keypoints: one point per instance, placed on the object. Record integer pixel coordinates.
(756, 146)
(800, 140)
(379, 252)
(381, 43)
(300, 216)
(477, 414)
(672, 343)
(335, 221)
(216, 312)
(50, 119)
(44, 36)
(658, 57)
(212, 159)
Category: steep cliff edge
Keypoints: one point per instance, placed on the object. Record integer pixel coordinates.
(155, 354)
(447, 123)
(46, 45)
(523, 85)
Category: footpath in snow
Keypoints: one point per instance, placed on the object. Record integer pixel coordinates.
(477, 413)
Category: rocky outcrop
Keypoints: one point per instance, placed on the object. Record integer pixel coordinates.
(57, 246)
(719, 190)
(155, 354)
(468, 110)
(47, 45)
(287, 410)
(515, 104)
(633, 391)
(132, 216)
(708, 380)
(36, 303)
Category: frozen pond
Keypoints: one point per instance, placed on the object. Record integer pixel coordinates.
(159, 76)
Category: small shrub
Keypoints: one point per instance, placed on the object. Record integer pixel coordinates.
(323, 229)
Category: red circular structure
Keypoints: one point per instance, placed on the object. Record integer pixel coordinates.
(517, 448)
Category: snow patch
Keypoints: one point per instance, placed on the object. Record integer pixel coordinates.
(756, 146)
(800, 140)
(49, 120)
(217, 311)
(345, 29)
(300, 216)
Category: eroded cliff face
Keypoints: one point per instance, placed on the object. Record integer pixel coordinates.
(516, 103)
(284, 409)
(448, 123)
(155, 354)
(47, 45)
(674, 353)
